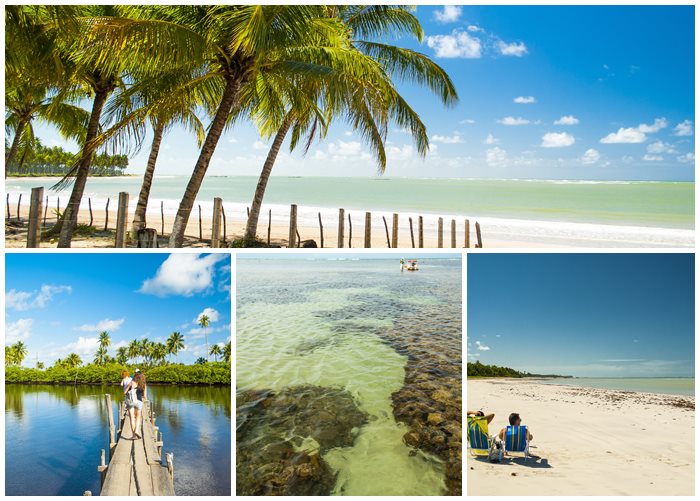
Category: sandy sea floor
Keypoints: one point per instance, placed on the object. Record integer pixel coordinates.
(590, 441)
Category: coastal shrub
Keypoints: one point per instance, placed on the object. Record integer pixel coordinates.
(214, 373)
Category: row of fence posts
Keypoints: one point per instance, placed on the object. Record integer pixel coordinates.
(391, 242)
(218, 235)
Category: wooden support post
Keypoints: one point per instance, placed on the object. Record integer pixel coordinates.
(368, 230)
(34, 230)
(479, 244)
(298, 238)
(8, 206)
(466, 233)
(395, 231)
(291, 242)
(320, 227)
(46, 209)
(19, 202)
(420, 232)
(453, 234)
(102, 469)
(223, 219)
(120, 417)
(216, 224)
(106, 212)
(199, 206)
(58, 207)
(386, 230)
(162, 219)
(247, 212)
(122, 216)
(110, 422)
(350, 232)
(169, 460)
(410, 225)
(439, 233)
(341, 228)
(90, 209)
(269, 226)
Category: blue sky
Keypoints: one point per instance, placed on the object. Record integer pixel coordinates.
(607, 315)
(58, 303)
(578, 92)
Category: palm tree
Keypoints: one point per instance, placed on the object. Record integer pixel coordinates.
(175, 343)
(133, 349)
(122, 355)
(72, 361)
(40, 365)
(216, 351)
(367, 102)
(227, 352)
(104, 340)
(100, 355)
(18, 352)
(204, 323)
(201, 361)
(9, 355)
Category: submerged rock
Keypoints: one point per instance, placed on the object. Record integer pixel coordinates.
(281, 438)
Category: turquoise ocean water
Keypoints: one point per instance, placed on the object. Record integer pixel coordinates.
(672, 386)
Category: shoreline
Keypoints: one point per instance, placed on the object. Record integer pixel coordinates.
(590, 441)
(45, 383)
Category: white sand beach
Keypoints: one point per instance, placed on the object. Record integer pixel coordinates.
(590, 441)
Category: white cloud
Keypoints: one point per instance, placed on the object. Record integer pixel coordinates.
(347, 133)
(210, 312)
(183, 275)
(634, 134)
(453, 139)
(628, 159)
(448, 14)
(21, 301)
(524, 100)
(18, 331)
(84, 346)
(591, 156)
(659, 147)
(459, 44)
(482, 347)
(475, 29)
(496, 157)
(404, 152)
(513, 121)
(557, 140)
(685, 128)
(344, 150)
(467, 121)
(516, 49)
(567, 120)
(491, 140)
(103, 325)
(259, 145)
(687, 158)
(652, 158)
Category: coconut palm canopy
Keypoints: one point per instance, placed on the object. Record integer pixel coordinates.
(284, 68)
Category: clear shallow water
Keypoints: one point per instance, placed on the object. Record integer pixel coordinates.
(53, 437)
(316, 322)
(628, 203)
(672, 386)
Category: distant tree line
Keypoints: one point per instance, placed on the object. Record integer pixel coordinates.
(477, 369)
(40, 160)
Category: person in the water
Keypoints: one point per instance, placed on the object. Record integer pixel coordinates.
(403, 263)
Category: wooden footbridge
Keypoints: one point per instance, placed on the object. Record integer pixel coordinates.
(135, 466)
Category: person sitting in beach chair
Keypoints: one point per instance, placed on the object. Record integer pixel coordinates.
(516, 438)
(478, 426)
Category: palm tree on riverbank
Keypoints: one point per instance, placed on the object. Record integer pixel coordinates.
(227, 352)
(216, 351)
(122, 355)
(16, 353)
(133, 349)
(175, 343)
(72, 361)
(204, 323)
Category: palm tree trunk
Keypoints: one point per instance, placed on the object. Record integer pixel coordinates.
(15, 145)
(140, 213)
(70, 216)
(229, 99)
(252, 224)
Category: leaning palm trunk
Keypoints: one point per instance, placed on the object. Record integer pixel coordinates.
(70, 216)
(140, 213)
(15, 145)
(252, 225)
(229, 99)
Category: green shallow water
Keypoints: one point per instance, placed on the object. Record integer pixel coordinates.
(291, 331)
(671, 386)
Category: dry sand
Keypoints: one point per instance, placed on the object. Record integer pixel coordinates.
(590, 441)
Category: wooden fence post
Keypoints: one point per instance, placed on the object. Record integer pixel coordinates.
(466, 233)
(350, 232)
(122, 215)
(46, 208)
(110, 422)
(395, 231)
(19, 202)
(453, 234)
(386, 229)
(35, 206)
(478, 235)
(368, 230)
(298, 238)
(216, 223)
(341, 228)
(269, 226)
(199, 206)
(410, 225)
(291, 242)
(439, 233)
(90, 209)
(106, 212)
(8, 206)
(102, 469)
(420, 232)
(223, 219)
(162, 219)
(320, 226)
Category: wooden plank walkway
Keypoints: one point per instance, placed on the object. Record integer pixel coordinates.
(135, 467)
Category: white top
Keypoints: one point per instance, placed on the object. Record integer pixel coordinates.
(125, 383)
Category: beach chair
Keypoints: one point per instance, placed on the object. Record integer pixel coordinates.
(479, 441)
(516, 441)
